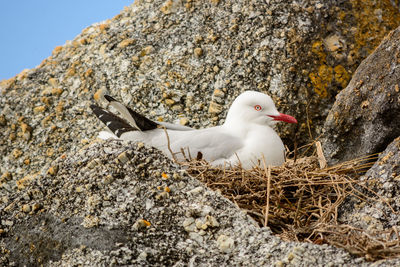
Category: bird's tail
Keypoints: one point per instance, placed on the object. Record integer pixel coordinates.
(135, 119)
(116, 124)
(130, 121)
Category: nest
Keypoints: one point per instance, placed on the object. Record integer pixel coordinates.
(299, 201)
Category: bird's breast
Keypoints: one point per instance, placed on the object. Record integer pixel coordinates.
(264, 142)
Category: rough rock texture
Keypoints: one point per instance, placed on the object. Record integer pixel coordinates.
(365, 117)
(186, 61)
(384, 180)
(114, 203)
(121, 203)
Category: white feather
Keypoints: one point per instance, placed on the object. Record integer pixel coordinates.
(246, 136)
(106, 135)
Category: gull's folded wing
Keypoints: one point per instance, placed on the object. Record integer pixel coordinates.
(117, 125)
(136, 120)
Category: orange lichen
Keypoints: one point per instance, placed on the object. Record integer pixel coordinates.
(318, 49)
(341, 75)
(52, 170)
(25, 127)
(167, 7)
(57, 49)
(144, 222)
(322, 79)
(17, 153)
(50, 152)
(126, 43)
(84, 41)
(88, 73)
(363, 28)
(116, 17)
(164, 175)
(374, 19)
(56, 91)
(103, 27)
(60, 108)
(7, 83)
(71, 72)
(98, 94)
(22, 183)
(39, 109)
(386, 158)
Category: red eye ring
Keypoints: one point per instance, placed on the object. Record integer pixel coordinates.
(257, 107)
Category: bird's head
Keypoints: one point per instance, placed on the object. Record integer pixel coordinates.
(256, 107)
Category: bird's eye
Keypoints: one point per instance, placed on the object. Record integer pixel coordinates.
(257, 107)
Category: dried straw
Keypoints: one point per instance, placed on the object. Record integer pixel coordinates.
(299, 201)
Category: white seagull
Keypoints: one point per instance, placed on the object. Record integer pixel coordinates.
(246, 137)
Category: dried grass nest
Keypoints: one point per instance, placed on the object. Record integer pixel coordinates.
(299, 201)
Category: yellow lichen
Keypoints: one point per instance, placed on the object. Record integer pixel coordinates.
(144, 222)
(318, 49)
(386, 158)
(7, 83)
(56, 91)
(57, 50)
(214, 108)
(322, 79)
(50, 152)
(45, 100)
(126, 43)
(53, 82)
(71, 72)
(22, 183)
(60, 108)
(374, 19)
(39, 109)
(99, 93)
(5, 177)
(52, 170)
(17, 153)
(88, 73)
(367, 22)
(167, 7)
(103, 27)
(341, 75)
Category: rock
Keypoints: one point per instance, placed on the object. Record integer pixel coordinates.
(214, 108)
(282, 48)
(88, 198)
(365, 116)
(225, 243)
(383, 178)
(113, 223)
(198, 51)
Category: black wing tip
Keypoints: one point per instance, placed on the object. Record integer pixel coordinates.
(116, 124)
(109, 98)
(93, 106)
(142, 122)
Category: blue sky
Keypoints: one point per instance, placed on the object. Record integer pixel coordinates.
(30, 29)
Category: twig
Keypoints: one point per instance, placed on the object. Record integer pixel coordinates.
(268, 173)
(320, 154)
(169, 144)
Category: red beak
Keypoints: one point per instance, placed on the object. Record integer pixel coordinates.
(284, 117)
